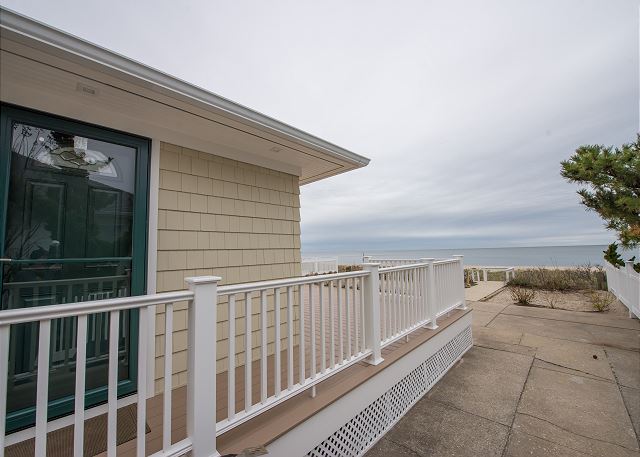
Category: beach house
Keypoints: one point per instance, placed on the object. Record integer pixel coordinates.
(151, 291)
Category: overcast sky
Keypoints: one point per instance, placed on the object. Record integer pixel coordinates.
(465, 108)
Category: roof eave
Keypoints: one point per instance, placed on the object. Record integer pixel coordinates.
(169, 85)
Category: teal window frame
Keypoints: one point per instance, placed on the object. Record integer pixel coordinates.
(10, 114)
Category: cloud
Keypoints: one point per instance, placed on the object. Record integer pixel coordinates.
(465, 108)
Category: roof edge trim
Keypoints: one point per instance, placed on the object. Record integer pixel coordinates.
(36, 30)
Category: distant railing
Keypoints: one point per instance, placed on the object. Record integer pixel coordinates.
(389, 262)
(624, 283)
(319, 266)
(482, 273)
(281, 337)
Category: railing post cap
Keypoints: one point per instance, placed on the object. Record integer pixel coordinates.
(200, 280)
(370, 265)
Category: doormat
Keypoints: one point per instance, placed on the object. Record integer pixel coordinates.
(60, 442)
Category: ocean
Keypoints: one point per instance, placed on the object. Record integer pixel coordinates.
(512, 257)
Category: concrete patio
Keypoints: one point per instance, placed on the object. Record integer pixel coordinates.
(482, 289)
(538, 382)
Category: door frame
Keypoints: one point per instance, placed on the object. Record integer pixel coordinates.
(139, 250)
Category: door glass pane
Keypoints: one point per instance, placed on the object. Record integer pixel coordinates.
(69, 237)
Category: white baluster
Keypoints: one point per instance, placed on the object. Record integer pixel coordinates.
(312, 321)
(363, 331)
(112, 391)
(231, 356)
(340, 322)
(384, 306)
(289, 337)
(323, 347)
(355, 316)
(348, 313)
(168, 374)
(263, 346)
(248, 356)
(143, 327)
(276, 311)
(301, 367)
(4, 372)
(81, 364)
(431, 294)
(332, 325)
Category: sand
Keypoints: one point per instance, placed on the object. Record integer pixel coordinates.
(572, 301)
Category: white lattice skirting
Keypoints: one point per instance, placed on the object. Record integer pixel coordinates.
(378, 403)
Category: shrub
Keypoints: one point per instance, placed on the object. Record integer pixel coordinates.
(551, 301)
(601, 302)
(522, 295)
(579, 278)
(468, 279)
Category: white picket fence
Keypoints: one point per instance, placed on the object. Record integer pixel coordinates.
(624, 283)
(323, 324)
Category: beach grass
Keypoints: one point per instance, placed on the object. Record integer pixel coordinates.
(586, 277)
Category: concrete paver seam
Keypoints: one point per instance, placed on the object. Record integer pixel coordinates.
(578, 434)
(626, 408)
(524, 385)
(564, 320)
(599, 378)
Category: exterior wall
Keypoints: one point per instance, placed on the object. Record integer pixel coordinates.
(221, 217)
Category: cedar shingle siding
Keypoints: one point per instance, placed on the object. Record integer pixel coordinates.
(221, 217)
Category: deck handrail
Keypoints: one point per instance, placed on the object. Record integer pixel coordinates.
(277, 283)
(84, 308)
(331, 322)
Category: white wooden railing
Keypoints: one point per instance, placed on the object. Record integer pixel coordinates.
(388, 262)
(319, 266)
(482, 273)
(288, 334)
(323, 314)
(415, 295)
(61, 291)
(448, 275)
(624, 283)
(44, 316)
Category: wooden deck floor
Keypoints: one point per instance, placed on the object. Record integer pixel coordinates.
(278, 420)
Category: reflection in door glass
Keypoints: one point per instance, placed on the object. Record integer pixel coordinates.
(69, 237)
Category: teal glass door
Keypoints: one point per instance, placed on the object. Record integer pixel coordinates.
(74, 222)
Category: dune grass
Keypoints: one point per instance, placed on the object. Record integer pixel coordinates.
(584, 277)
